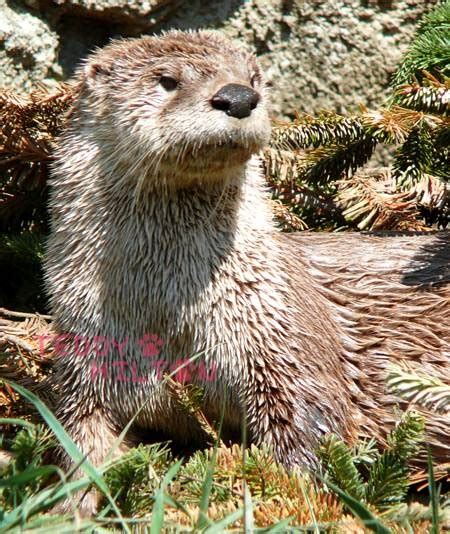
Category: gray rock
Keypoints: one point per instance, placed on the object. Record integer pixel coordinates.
(136, 15)
(28, 49)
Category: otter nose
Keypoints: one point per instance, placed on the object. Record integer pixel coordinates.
(236, 100)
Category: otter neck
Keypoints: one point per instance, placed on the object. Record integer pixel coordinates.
(220, 203)
(173, 248)
(155, 256)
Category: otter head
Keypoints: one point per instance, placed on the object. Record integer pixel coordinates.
(185, 107)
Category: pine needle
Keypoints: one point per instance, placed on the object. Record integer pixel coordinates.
(426, 391)
(369, 201)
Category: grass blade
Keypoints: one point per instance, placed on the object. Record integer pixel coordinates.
(203, 520)
(27, 475)
(158, 506)
(19, 422)
(41, 502)
(281, 526)
(359, 510)
(62, 436)
(219, 527)
(249, 524)
(309, 504)
(68, 444)
(434, 496)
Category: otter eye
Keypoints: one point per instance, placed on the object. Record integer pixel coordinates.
(169, 83)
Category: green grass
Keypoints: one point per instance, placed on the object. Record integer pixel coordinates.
(215, 490)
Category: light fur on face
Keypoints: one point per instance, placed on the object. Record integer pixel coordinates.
(175, 138)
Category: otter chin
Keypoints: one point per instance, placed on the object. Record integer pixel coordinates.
(161, 230)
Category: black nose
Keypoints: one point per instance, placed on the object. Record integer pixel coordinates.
(236, 100)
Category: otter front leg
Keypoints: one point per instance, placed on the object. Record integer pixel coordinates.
(286, 413)
(95, 437)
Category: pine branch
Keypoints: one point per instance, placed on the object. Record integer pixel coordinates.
(433, 200)
(23, 204)
(303, 178)
(388, 481)
(287, 220)
(337, 457)
(27, 128)
(429, 49)
(404, 440)
(189, 398)
(431, 99)
(333, 162)
(440, 157)
(368, 200)
(307, 131)
(27, 246)
(303, 202)
(388, 471)
(365, 452)
(281, 166)
(388, 477)
(438, 18)
(429, 52)
(313, 204)
(28, 448)
(423, 390)
(393, 125)
(20, 264)
(136, 475)
(413, 157)
(387, 125)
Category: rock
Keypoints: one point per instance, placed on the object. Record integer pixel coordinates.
(28, 49)
(136, 15)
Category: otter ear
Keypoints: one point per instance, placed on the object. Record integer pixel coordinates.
(93, 71)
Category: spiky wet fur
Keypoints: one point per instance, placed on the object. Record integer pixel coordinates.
(161, 225)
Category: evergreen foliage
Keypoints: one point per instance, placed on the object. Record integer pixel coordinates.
(134, 479)
(21, 257)
(387, 471)
(28, 448)
(419, 389)
(429, 51)
(341, 467)
(27, 128)
(150, 488)
(326, 156)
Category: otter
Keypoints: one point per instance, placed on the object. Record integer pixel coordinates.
(163, 249)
